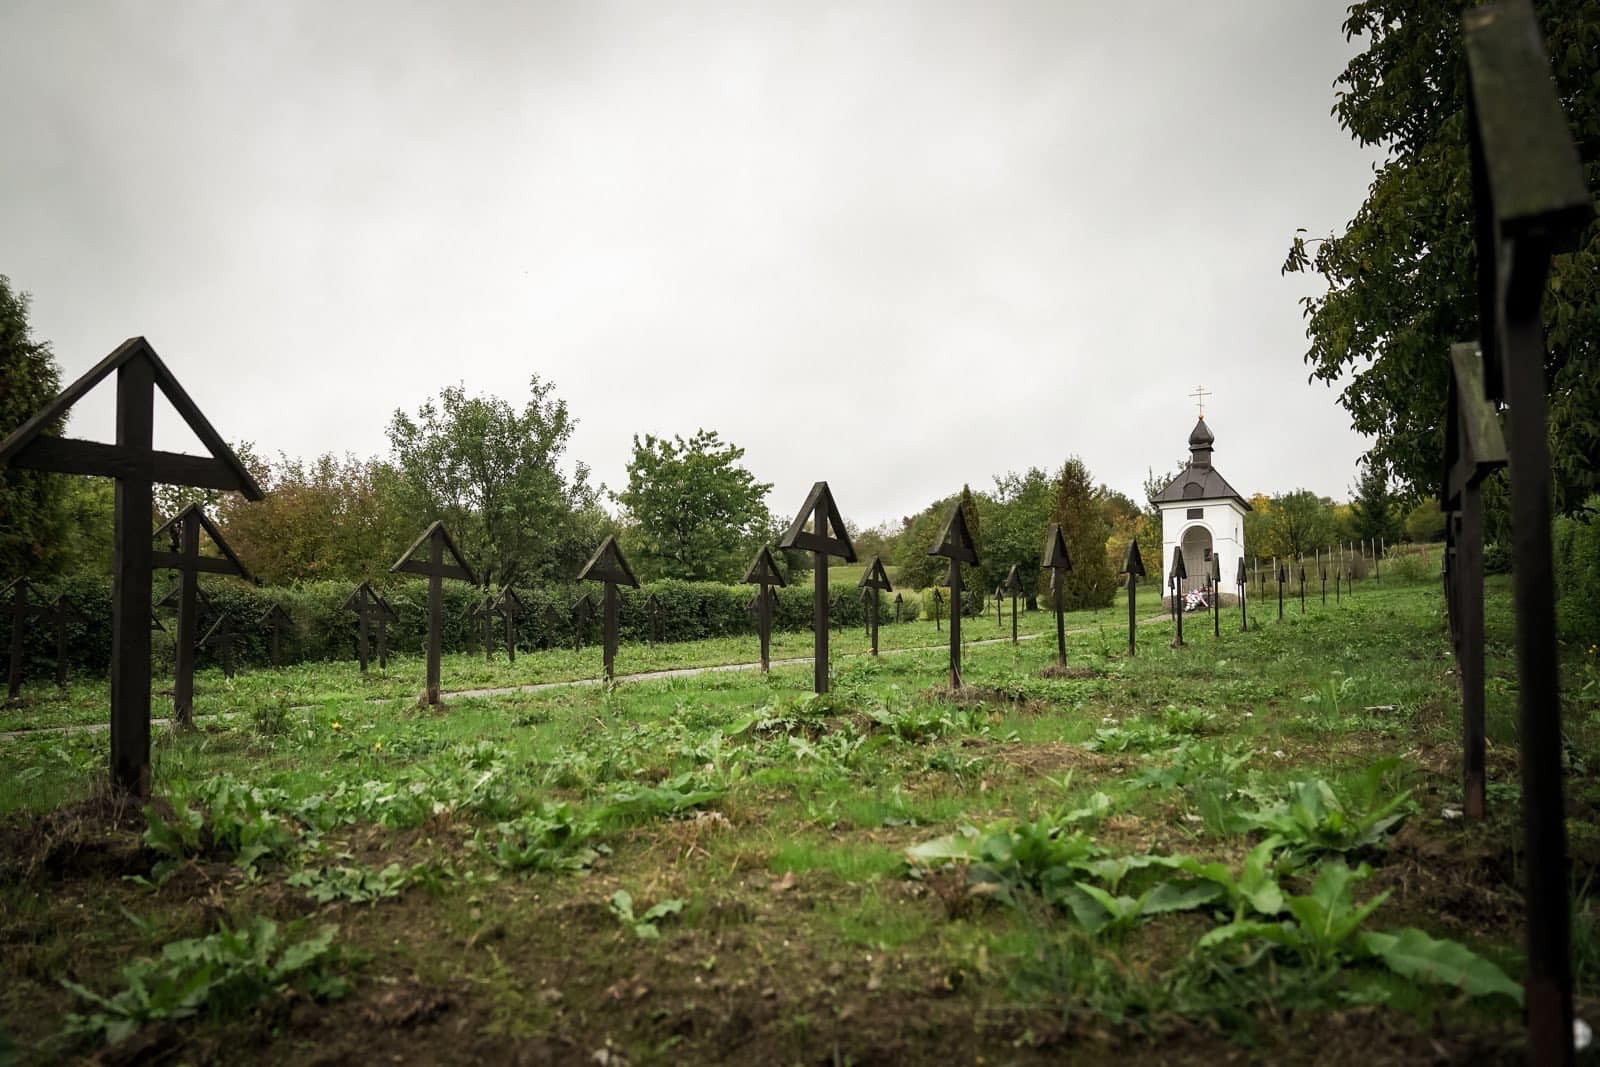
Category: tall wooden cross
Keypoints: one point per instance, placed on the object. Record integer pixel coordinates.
(1133, 567)
(582, 611)
(1532, 202)
(435, 568)
(184, 529)
(275, 620)
(999, 605)
(1474, 447)
(1178, 574)
(1199, 396)
(1241, 581)
(608, 567)
(60, 614)
(480, 623)
(221, 634)
(899, 607)
(1282, 576)
(136, 465)
(1216, 595)
(954, 543)
(826, 537)
(509, 606)
(874, 582)
(1014, 587)
(763, 572)
(20, 607)
(1059, 562)
(362, 601)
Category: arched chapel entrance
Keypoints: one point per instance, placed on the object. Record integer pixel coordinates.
(1197, 548)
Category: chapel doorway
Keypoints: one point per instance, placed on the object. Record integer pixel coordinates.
(1197, 548)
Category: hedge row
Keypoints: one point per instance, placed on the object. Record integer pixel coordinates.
(1577, 559)
(323, 630)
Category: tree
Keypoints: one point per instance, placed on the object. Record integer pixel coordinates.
(1401, 278)
(917, 569)
(1297, 524)
(331, 518)
(1425, 522)
(694, 511)
(1014, 520)
(490, 472)
(1092, 582)
(31, 517)
(1372, 508)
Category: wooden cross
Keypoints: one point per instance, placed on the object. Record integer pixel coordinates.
(480, 620)
(999, 604)
(1133, 567)
(509, 605)
(899, 607)
(1014, 587)
(1242, 581)
(608, 567)
(1283, 576)
(221, 632)
(954, 543)
(1200, 395)
(60, 614)
(1059, 562)
(362, 601)
(764, 573)
(20, 608)
(826, 537)
(275, 620)
(435, 569)
(938, 608)
(1474, 448)
(1216, 595)
(1177, 574)
(184, 530)
(875, 582)
(652, 610)
(136, 465)
(1532, 202)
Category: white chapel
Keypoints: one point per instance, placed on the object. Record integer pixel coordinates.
(1204, 515)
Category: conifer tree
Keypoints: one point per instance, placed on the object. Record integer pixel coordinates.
(1092, 582)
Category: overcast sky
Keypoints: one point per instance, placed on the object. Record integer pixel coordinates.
(895, 246)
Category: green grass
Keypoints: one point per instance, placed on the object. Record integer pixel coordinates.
(506, 825)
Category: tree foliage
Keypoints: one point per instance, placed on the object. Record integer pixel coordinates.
(31, 516)
(1086, 525)
(1290, 525)
(1401, 277)
(491, 473)
(1014, 520)
(694, 511)
(1374, 507)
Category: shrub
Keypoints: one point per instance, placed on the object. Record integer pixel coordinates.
(1577, 562)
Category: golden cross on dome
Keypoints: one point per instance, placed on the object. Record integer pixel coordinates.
(1200, 395)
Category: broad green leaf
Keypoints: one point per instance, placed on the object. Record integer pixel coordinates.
(1414, 954)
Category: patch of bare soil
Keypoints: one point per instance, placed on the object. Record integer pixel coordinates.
(1069, 671)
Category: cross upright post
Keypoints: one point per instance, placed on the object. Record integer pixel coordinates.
(826, 537)
(582, 611)
(1532, 202)
(1133, 567)
(1242, 581)
(938, 609)
(20, 608)
(1302, 585)
(1216, 595)
(1283, 576)
(184, 530)
(875, 581)
(1179, 573)
(275, 620)
(60, 614)
(361, 602)
(435, 568)
(509, 605)
(608, 567)
(1014, 587)
(1058, 561)
(899, 607)
(954, 543)
(763, 572)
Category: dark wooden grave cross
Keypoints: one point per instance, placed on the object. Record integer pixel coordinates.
(1532, 203)
(954, 543)
(826, 537)
(436, 568)
(836, 612)
(363, 601)
(874, 582)
(1474, 447)
(1283, 576)
(938, 609)
(899, 607)
(652, 611)
(20, 608)
(136, 465)
(999, 604)
(1302, 566)
(1215, 578)
(480, 623)
(509, 605)
(1059, 562)
(608, 566)
(1133, 567)
(184, 530)
(581, 614)
(221, 634)
(275, 620)
(1241, 581)
(1337, 576)
(1179, 573)
(764, 573)
(60, 614)
(1322, 572)
(1014, 587)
